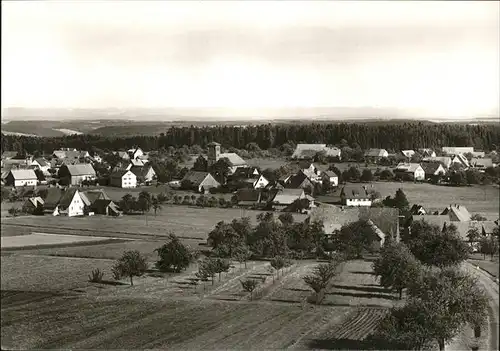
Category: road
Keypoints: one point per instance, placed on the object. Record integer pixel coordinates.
(491, 289)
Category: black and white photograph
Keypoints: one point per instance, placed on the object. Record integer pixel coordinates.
(250, 175)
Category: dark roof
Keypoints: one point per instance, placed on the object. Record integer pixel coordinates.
(296, 180)
(356, 191)
(248, 195)
(42, 162)
(101, 204)
(244, 172)
(91, 196)
(195, 177)
(67, 197)
(430, 167)
(330, 174)
(305, 164)
(118, 173)
(53, 197)
(140, 171)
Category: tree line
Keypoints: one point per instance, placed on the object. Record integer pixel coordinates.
(390, 136)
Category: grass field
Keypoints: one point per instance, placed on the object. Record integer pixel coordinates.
(184, 221)
(39, 239)
(487, 264)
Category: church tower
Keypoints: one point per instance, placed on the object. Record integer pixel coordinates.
(213, 153)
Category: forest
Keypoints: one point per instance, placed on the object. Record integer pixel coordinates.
(389, 136)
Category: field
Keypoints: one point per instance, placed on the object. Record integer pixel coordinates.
(38, 239)
(486, 264)
(51, 305)
(184, 221)
(476, 199)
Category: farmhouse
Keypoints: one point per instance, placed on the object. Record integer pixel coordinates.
(214, 155)
(42, 165)
(481, 163)
(77, 173)
(455, 150)
(444, 160)
(123, 155)
(311, 171)
(105, 207)
(286, 197)
(356, 195)
(200, 181)
(135, 153)
(433, 168)
(144, 174)
(308, 151)
(300, 181)
(21, 177)
(123, 179)
(69, 155)
(137, 163)
(457, 213)
(418, 210)
(330, 177)
(376, 154)
(68, 202)
(413, 170)
(425, 152)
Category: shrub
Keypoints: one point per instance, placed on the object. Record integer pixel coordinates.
(96, 276)
(249, 285)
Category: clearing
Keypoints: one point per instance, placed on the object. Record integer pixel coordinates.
(41, 239)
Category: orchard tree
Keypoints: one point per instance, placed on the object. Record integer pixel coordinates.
(224, 239)
(488, 246)
(396, 267)
(367, 175)
(131, 264)
(173, 256)
(356, 237)
(473, 235)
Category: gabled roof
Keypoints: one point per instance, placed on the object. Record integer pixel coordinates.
(67, 154)
(408, 167)
(408, 153)
(22, 174)
(375, 152)
(91, 196)
(101, 204)
(306, 164)
(35, 201)
(356, 191)
(459, 211)
(234, 159)
(81, 169)
(297, 180)
(123, 154)
(53, 197)
(67, 197)
(119, 173)
(431, 167)
(213, 143)
(137, 163)
(310, 150)
(445, 160)
(196, 177)
(248, 195)
(462, 159)
(42, 162)
(288, 196)
(245, 172)
(140, 171)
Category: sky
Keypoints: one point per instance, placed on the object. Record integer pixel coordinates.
(430, 58)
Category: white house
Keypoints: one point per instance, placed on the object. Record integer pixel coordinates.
(376, 153)
(21, 177)
(261, 182)
(433, 168)
(42, 165)
(331, 177)
(426, 152)
(454, 150)
(70, 204)
(135, 153)
(413, 169)
(144, 173)
(308, 151)
(408, 153)
(355, 195)
(123, 179)
(460, 159)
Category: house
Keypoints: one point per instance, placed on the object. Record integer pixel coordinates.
(123, 179)
(248, 197)
(376, 154)
(200, 181)
(308, 151)
(418, 210)
(248, 176)
(413, 170)
(457, 213)
(7, 155)
(105, 207)
(444, 160)
(33, 205)
(300, 181)
(135, 153)
(286, 197)
(461, 160)
(356, 195)
(69, 155)
(311, 171)
(481, 163)
(330, 177)
(123, 155)
(68, 202)
(245, 172)
(455, 150)
(16, 163)
(77, 173)
(432, 169)
(384, 220)
(408, 153)
(96, 158)
(426, 152)
(21, 177)
(42, 165)
(214, 155)
(144, 174)
(136, 163)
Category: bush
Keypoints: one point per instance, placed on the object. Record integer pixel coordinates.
(249, 285)
(96, 276)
